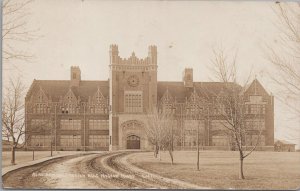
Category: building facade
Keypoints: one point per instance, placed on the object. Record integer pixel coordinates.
(77, 114)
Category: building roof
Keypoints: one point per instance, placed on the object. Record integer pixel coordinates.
(181, 93)
(55, 89)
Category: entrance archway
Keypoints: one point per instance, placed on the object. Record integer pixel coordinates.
(133, 142)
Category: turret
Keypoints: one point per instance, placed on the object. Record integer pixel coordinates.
(152, 54)
(114, 53)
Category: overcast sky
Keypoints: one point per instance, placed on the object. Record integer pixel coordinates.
(79, 32)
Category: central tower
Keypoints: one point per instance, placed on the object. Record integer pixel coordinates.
(132, 92)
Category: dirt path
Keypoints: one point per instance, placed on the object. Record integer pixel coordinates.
(106, 170)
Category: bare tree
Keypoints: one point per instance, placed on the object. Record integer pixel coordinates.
(195, 110)
(13, 116)
(16, 31)
(159, 130)
(284, 55)
(231, 106)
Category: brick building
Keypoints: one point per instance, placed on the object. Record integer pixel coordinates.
(77, 114)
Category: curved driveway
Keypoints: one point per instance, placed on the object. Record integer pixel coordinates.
(106, 170)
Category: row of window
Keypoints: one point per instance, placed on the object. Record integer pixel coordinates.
(69, 140)
(40, 123)
(98, 124)
(69, 124)
(254, 124)
(251, 140)
(99, 109)
(255, 109)
(40, 140)
(194, 110)
(41, 108)
(69, 109)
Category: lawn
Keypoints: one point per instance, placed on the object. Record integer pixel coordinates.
(219, 169)
(25, 156)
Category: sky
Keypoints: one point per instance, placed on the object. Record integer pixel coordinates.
(79, 32)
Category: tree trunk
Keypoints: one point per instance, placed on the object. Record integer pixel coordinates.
(198, 157)
(155, 150)
(171, 155)
(241, 175)
(159, 153)
(13, 155)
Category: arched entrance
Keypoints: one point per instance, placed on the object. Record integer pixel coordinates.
(133, 142)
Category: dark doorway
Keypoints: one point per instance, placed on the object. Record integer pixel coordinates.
(133, 142)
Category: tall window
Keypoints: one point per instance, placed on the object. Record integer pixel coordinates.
(70, 140)
(133, 101)
(98, 140)
(98, 124)
(40, 140)
(69, 124)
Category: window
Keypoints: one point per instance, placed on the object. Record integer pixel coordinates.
(254, 109)
(40, 140)
(98, 124)
(255, 124)
(167, 108)
(69, 124)
(40, 123)
(98, 140)
(70, 108)
(41, 108)
(98, 108)
(133, 101)
(70, 140)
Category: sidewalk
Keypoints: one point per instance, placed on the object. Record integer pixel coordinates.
(37, 161)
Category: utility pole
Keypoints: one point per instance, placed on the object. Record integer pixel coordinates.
(55, 133)
(84, 127)
(198, 147)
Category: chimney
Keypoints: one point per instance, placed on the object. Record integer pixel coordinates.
(188, 77)
(75, 76)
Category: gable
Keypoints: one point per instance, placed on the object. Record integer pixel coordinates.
(70, 97)
(256, 88)
(39, 96)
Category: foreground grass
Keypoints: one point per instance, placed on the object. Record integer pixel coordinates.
(219, 169)
(25, 156)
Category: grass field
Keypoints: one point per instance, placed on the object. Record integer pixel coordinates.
(219, 169)
(25, 156)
